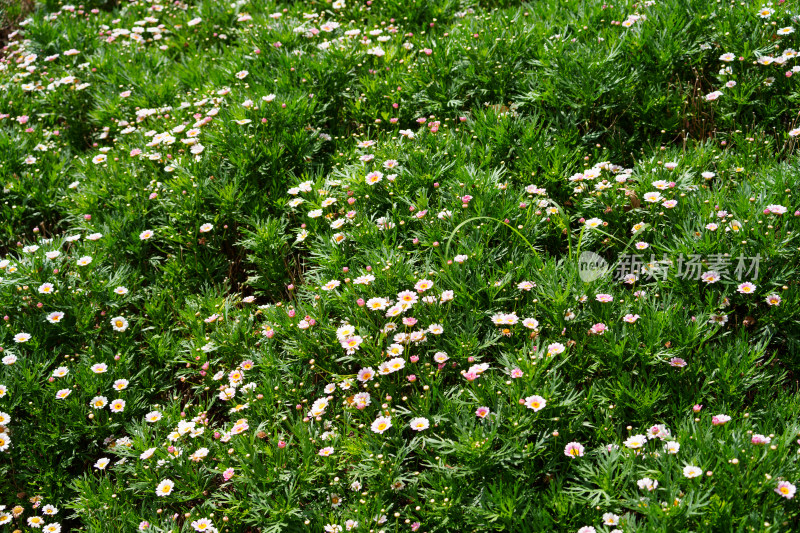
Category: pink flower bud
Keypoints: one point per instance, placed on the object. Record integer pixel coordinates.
(414, 358)
(281, 444)
(361, 302)
(412, 378)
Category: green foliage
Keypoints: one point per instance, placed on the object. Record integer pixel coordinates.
(239, 237)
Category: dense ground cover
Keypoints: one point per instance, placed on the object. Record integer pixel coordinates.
(319, 266)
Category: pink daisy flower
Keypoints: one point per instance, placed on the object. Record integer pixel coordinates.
(573, 449)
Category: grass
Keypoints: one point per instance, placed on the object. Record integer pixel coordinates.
(12, 12)
(316, 266)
